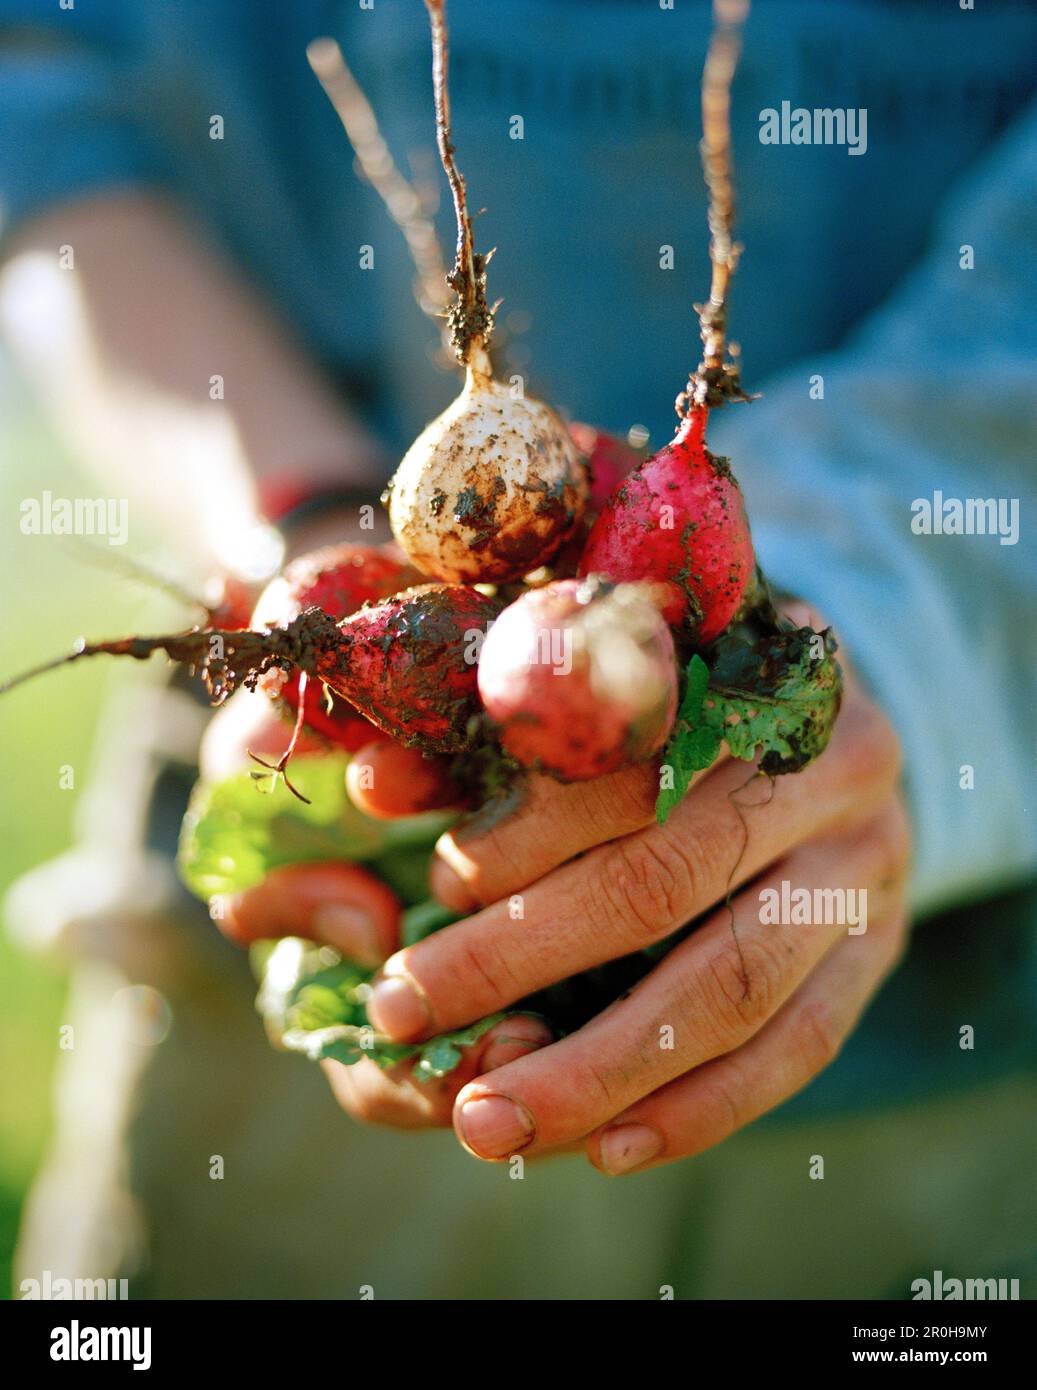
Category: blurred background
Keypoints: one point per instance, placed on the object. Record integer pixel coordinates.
(55, 593)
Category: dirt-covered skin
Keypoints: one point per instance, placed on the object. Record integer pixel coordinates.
(409, 663)
(338, 579)
(580, 677)
(679, 518)
(490, 489)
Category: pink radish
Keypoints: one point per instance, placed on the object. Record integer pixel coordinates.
(580, 677)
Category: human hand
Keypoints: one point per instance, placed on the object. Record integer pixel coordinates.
(349, 908)
(735, 1019)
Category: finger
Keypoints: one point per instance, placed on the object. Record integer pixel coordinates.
(340, 904)
(707, 997)
(707, 1105)
(386, 780)
(623, 896)
(396, 1098)
(249, 720)
(484, 859)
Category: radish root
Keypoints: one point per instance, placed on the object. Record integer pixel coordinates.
(716, 380)
(226, 659)
(401, 199)
(469, 318)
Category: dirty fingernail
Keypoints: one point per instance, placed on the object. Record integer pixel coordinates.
(395, 1006)
(625, 1147)
(350, 930)
(494, 1126)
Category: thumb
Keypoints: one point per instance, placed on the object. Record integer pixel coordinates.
(340, 904)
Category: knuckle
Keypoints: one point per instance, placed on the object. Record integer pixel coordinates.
(477, 862)
(819, 1037)
(719, 1108)
(710, 847)
(600, 1093)
(889, 834)
(744, 988)
(624, 798)
(647, 880)
(484, 974)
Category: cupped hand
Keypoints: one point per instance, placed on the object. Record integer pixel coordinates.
(348, 908)
(741, 1014)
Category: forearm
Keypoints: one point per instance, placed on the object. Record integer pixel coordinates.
(932, 399)
(166, 375)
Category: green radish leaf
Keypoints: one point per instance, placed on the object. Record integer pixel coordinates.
(693, 745)
(406, 872)
(236, 831)
(776, 696)
(438, 1057)
(694, 691)
(311, 1000)
(423, 919)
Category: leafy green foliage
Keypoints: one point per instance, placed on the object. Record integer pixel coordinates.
(423, 919)
(310, 997)
(235, 831)
(312, 1002)
(776, 696)
(693, 744)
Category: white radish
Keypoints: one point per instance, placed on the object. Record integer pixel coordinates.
(495, 485)
(490, 489)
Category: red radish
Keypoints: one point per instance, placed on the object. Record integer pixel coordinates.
(386, 780)
(679, 518)
(491, 489)
(407, 662)
(581, 677)
(609, 460)
(229, 602)
(337, 579)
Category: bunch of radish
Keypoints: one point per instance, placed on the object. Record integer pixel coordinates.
(546, 585)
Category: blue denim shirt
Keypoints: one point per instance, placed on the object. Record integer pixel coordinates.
(852, 275)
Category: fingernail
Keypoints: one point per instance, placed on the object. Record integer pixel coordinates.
(350, 930)
(494, 1126)
(624, 1147)
(503, 1050)
(395, 1006)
